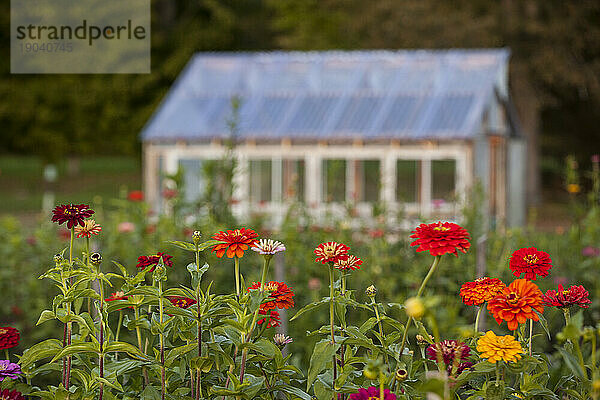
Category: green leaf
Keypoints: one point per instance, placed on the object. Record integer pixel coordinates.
(127, 348)
(322, 354)
(310, 307)
(87, 347)
(183, 245)
(543, 323)
(47, 348)
(46, 315)
(289, 389)
(177, 352)
(573, 364)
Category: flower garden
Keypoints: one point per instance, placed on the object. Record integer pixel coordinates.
(197, 317)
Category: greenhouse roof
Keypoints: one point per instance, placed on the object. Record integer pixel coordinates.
(406, 94)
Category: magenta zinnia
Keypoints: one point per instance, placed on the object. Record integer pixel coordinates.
(530, 261)
(563, 298)
(372, 393)
(440, 238)
(9, 370)
(331, 252)
(72, 214)
(453, 353)
(7, 394)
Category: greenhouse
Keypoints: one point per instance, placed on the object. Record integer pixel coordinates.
(413, 131)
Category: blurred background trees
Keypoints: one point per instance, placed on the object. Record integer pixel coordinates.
(555, 65)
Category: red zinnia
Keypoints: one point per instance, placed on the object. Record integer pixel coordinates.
(517, 303)
(135, 195)
(280, 294)
(234, 242)
(440, 238)
(274, 319)
(574, 296)
(350, 263)
(331, 252)
(120, 295)
(11, 395)
(151, 261)
(530, 261)
(72, 214)
(481, 290)
(9, 337)
(181, 302)
(117, 296)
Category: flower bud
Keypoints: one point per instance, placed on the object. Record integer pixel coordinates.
(401, 375)
(370, 373)
(196, 237)
(371, 291)
(96, 258)
(58, 258)
(422, 342)
(414, 307)
(596, 385)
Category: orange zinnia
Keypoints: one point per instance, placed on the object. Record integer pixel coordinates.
(481, 290)
(517, 303)
(234, 242)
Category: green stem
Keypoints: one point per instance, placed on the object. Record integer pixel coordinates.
(331, 320)
(331, 304)
(119, 326)
(6, 354)
(162, 343)
(381, 391)
(567, 315)
(69, 324)
(246, 337)
(477, 318)
(138, 333)
(236, 262)
(530, 335)
(497, 372)
(380, 327)
(199, 323)
(432, 269)
(101, 337)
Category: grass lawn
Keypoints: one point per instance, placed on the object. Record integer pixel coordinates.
(22, 183)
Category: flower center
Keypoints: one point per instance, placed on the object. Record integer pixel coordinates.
(531, 258)
(441, 228)
(565, 292)
(512, 298)
(3, 331)
(271, 287)
(3, 367)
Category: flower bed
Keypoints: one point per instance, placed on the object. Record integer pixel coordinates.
(131, 336)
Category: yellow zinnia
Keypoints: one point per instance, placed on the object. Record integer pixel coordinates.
(496, 348)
